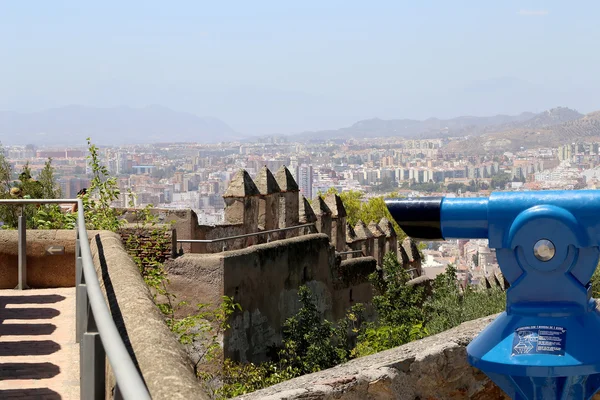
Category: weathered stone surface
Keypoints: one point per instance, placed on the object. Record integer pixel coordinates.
(43, 270)
(375, 229)
(334, 202)
(165, 367)
(350, 234)
(411, 258)
(285, 180)
(362, 231)
(323, 213)
(338, 223)
(433, 368)
(365, 239)
(266, 182)
(391, 238)
(387, 227)
(320, 207)
(241, 186)
(354, 271)
(289, 201)
(307, 215)
(184, 221)
(378, 242)
(265, 279)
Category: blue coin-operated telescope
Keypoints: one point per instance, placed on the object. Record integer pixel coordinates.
(546, 345)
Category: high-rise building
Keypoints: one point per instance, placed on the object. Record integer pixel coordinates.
(304, 177)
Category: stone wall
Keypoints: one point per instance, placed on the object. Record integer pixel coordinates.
(204, 232)
(43, 270)
(265, 279)
(184, 222)
(432, 368)
(147, 246)
(163, 364)
(273, 201)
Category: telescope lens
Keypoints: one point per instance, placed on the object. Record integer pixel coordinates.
(544, 250)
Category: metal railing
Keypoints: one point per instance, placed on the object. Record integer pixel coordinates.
(96, 331)
(246, 235)
(341, 253)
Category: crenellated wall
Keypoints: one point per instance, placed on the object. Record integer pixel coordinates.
(265, 279)
(272, 201)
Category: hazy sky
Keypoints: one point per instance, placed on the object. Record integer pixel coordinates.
(274, 67)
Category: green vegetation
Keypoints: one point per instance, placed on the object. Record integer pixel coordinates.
(405, 313)
(24, 186)
(310, 343)
(373, 209)
(499, 181)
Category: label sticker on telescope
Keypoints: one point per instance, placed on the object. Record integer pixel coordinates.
(539, 339)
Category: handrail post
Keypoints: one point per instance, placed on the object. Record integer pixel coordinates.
(22, 256)
(173, 244)
(91, 358)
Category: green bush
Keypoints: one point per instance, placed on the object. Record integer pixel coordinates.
(407, 313)
(310, 344)
(449, 306)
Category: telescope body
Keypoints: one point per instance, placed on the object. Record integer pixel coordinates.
(544, 346)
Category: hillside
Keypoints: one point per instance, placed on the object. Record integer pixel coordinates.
(116, 125)
(548, 129)
(409, 128)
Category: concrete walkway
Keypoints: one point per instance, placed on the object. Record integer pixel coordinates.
(39, 358)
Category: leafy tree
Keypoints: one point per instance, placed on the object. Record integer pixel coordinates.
(448, 307)
(426, 187)
(103, 190)
(373, 209)
(311, 338)
(398, 306)
(47, 179)
(499, 181)
(455, 187)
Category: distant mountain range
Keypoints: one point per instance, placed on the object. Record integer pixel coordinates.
(116, 125)
(548, 129)
(126, 125)
(434, 127)
(476, 134)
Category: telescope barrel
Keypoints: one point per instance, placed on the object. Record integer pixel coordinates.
(438, 218)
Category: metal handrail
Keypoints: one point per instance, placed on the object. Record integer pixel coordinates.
(244, 235)
(350, 252)
(129, 382)
(95, 328)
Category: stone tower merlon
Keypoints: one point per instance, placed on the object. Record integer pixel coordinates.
(338, 221)
(352, 240)
(241, 202)
(409, 247)
(391, 237)
(307, 215)
(268, 205)
(363, 233)
(323, 214)
(378, 241)
(289, 206)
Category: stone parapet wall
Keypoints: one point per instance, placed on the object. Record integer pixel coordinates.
(164, 365)
(265, 279)
(146, 243)
(273, 201)
(432, 368)
(43, 270)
